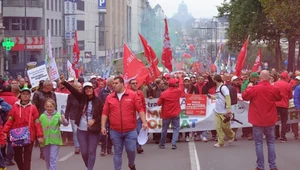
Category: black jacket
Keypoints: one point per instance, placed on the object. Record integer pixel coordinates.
(83, 100)
(208, 85)
(39, 98)
(72, 107)
(103, 94)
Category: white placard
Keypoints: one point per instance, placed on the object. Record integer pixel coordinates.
(37, 74)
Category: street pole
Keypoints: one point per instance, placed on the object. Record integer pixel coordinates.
(25, 38)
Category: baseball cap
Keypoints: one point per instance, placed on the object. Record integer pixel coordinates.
(87, 84)
(284, 75)
(297, 78)
(234, 78)
(25, 88)
(172, 81)
(186, 78)
(71, 79)
(93, 77)
(255, 74)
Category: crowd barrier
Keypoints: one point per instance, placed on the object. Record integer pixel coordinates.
(188, 123)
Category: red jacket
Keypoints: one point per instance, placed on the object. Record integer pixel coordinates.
(9, 97)
(2, 136)
(262, 108)
(19, 117)
(64, 90)
(169, 100)
(142, 98)
(122, 114)
(286, 92)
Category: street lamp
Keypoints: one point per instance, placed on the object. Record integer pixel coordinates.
(25, 37)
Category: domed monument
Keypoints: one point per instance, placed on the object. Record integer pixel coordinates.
(182, 14)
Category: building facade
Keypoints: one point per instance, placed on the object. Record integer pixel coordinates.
(1, 39)
(27, 23)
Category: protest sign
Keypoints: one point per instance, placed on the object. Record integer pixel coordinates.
(37, 74)
(195, 104)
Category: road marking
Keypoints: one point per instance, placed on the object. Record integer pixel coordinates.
(195, 164)
(69, 155)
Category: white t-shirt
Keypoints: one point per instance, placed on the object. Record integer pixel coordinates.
(220, 99)
(120, 95)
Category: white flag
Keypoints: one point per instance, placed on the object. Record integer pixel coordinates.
(53, 71)
(71, 71)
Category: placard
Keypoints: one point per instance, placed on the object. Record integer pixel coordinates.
(37, 74)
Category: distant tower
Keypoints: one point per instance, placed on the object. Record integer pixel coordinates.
(182, 14)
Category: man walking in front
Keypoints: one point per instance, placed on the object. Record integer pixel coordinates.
(283, 105)
(222, 112)
(121, 107)
(170, 110)
(263, 116)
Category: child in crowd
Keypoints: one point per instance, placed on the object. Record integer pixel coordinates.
(50, 121)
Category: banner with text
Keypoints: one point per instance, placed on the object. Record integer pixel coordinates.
(37, 74)
(188, 123)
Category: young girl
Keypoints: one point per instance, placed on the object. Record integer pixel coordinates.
(50, 121)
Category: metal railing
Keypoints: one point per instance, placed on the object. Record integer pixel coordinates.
(20, 3)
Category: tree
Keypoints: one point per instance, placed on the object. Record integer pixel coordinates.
(247, 17)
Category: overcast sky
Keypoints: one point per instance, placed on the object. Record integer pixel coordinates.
(198, 8)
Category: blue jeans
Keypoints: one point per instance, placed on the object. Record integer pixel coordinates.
(51, 156)
(127, 139)
(138, 128)
(165, 126)
(74, 129)
(258, 132)
(88, 143)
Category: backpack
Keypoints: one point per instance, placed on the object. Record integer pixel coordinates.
(232, 93)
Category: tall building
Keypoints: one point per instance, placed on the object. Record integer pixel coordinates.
(183, 15)
(26, 23)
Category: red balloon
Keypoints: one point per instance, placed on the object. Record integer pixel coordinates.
(192, 48)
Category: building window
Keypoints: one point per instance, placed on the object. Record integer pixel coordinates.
(34, 24)
(48, 25)
(59, 24)
(51, 5)
(47, 4)
(52, 27)
(101, 19)
(14, 57)
(101, 39)
(16, 25)
(59, 5)
(80, 25)
(55, 4)
(81, 45)
(56, 29)
(6, 23)
(80, 5)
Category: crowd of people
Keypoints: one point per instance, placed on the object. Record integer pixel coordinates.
(112, 113)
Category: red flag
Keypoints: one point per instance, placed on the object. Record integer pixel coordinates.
(241, 58)
(152, 59)
(133, 67)
(166, 57)
(258, 62)
(148, 51)
(76, 53)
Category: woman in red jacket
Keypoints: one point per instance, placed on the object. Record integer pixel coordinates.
(19, 117)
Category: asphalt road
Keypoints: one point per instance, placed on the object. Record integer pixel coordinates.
(189, 156)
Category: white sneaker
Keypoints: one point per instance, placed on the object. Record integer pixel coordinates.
(231, 140)
(187, 138)
(204, 139)
(217, 145)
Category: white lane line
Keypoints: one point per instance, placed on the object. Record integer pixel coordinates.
(69, 155)
(195, 164)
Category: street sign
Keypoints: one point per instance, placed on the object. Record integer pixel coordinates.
(8, 44)
(102, 6)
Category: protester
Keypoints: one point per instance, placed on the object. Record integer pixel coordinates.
(121, 107)
(283, 105)
(222, 112)
(133, 86)
(296, 98)
(2, 144)
(22, 114)
(39, 98)
(50, 121)
(70, 114)
(88, 120)
(263, 116)
(170, 110)
(106, 143)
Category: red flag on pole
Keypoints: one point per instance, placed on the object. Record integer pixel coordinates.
(258, 62)
(166, 58)
(241, 58)
(152, 59)
(148, 51)
(133, 67)
(76, 53)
